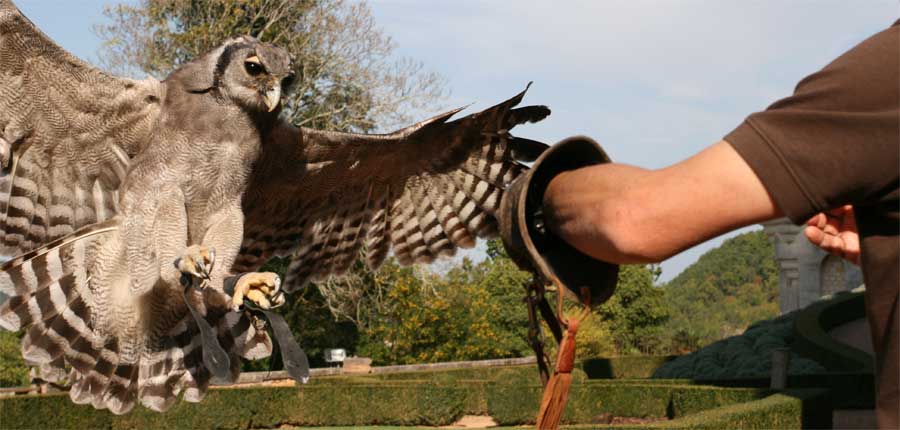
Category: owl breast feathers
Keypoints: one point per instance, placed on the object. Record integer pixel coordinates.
(92, 217)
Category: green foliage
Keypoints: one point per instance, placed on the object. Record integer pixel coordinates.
(726, 290)
(350, 402)
(640, 366)
(473, 312)
(637, 312)
(13, 371)
(515, 405)
(311, 405)
(793, 409)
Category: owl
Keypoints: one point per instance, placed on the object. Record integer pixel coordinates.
(116, 193)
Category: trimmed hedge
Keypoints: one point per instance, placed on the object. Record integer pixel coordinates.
(624, 367)
(526, 374)
(594, 368)
(353, 401)
(787, 410)
(268, 407)
(519, 404)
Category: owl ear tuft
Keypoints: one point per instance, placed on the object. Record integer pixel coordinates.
(199, 75)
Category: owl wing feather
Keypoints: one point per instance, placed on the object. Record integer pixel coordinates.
(67, 133)
(423, 191)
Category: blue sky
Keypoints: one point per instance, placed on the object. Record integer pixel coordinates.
(652, 81)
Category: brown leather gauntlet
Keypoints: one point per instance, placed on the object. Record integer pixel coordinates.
(532, 245)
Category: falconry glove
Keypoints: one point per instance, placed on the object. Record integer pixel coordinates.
(529, 241)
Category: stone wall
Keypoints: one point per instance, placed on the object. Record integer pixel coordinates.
(806, 273)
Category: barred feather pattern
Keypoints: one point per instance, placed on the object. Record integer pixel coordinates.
(444, 201)
(53, 293)
(69, 131)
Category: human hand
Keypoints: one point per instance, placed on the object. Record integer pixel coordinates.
(835, 232)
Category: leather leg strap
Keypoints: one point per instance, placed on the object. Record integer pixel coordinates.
(214, 357)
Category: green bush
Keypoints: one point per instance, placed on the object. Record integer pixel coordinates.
(338, 404)
(513, 405)
(788, 410)
(624, 367)
(527, 374)
(353, 401)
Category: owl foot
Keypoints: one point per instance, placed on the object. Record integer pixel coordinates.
(5, 153)
(261, 288)
(196, 262)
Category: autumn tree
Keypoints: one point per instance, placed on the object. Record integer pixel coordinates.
(348, 77)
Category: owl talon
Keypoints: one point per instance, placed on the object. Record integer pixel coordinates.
(196, 263)
(261, 288)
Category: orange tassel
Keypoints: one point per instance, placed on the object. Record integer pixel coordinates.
(556, 393)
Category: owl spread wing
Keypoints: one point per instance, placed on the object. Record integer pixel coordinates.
(423, 191)
(67, 133)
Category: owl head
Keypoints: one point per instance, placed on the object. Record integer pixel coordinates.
(244, 70)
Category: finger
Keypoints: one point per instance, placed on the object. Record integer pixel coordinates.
(815, 234)
(840, 210)
(849, 223)
(817, 220)
(834, 244)
(832, 227)
(828, 242)
(851, 246)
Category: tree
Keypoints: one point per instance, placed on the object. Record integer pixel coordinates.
(637, 313)
(725, 291)
(474, 311)
(347, 77)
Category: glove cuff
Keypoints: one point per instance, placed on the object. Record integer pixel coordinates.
(529, 241)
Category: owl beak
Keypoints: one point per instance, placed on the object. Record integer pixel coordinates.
(273, 97)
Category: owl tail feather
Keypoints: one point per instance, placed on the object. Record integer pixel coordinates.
(46, 291)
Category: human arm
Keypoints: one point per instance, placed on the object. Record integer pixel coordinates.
(624, 214)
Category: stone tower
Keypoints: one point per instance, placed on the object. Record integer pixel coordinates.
(805, 271)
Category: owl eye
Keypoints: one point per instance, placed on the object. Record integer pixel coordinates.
(253, 68)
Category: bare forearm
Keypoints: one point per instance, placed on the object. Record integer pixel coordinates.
(585, 208)
(624, 214)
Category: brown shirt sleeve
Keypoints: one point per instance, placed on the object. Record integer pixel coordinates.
(836, 140)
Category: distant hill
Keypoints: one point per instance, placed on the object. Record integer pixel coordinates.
(726, 290)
